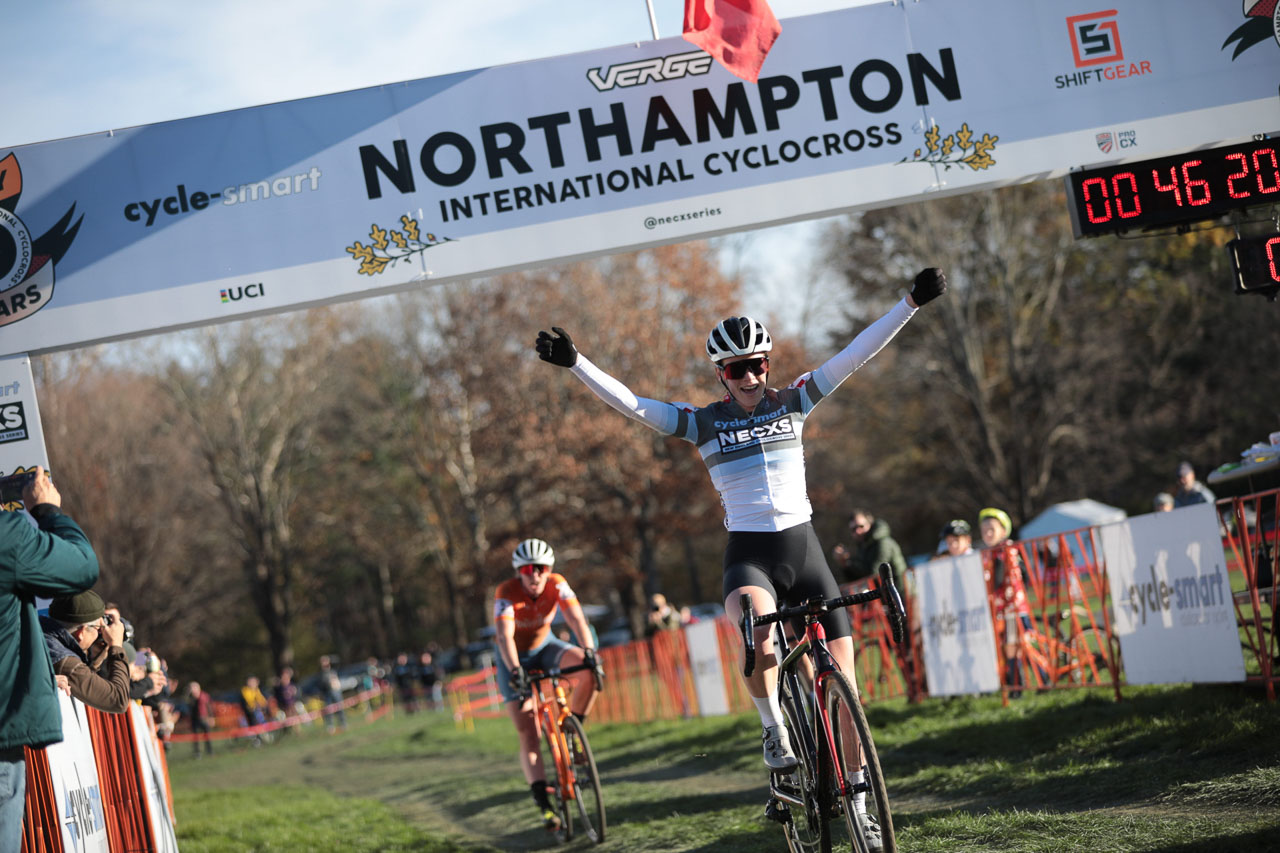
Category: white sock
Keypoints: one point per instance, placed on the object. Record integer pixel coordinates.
(860, 798)
(770, 710)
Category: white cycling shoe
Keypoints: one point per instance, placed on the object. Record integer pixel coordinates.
(777, 749)
(870, 831)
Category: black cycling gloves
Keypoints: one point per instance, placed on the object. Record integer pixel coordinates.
(930, 284)
(519, 681)
(557, 349)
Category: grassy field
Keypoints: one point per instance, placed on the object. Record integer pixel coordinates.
(1172, 769)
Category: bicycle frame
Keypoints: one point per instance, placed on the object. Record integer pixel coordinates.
(551, 707)
(814, 737)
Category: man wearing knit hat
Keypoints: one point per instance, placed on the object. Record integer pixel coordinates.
(88, 651)
(53, 558)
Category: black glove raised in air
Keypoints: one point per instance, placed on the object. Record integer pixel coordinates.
(930, 284)
(557, 349)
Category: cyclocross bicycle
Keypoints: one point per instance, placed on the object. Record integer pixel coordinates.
(828, 728)
(566, 751)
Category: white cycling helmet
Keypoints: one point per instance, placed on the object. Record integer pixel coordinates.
(532, 552)
(737, 336)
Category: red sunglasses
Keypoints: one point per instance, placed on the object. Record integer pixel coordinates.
(738, 369)
(533, 570)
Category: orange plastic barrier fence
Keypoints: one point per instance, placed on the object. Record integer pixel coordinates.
(229, 718)
(1252, 544)
(41, 831)
(123, 798)
(1069, 644)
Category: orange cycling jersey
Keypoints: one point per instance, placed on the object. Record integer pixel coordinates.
(532, 615)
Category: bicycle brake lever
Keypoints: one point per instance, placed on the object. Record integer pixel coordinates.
(747, 626)
(893, 605)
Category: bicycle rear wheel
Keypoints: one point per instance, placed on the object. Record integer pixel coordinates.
(560, 796)
(848, 726)
(586, 780)
(808, 829)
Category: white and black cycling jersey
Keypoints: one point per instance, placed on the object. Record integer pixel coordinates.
(756, 459)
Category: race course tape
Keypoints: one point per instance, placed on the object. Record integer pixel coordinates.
(289, 722)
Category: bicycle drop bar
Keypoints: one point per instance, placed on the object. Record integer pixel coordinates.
(887, 592)
(536, 675)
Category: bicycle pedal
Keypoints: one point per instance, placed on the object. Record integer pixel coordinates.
(777, 812)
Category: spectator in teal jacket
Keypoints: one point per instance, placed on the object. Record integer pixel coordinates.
(54, 560)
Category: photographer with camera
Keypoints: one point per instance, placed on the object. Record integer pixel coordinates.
(52, 559)
(88, 651)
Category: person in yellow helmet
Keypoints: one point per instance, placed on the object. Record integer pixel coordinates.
(1009, 602)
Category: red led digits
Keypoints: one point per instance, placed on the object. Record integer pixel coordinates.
(1101, 185)
(1235, 176)
(1172, 186)
(1261, 159)
(1174, 191)
(1273, 251)
(1197, 188)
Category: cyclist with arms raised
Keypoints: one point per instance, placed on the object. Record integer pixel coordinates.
(750, 442)
(523, 608)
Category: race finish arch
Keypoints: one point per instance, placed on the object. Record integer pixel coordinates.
(278, 207)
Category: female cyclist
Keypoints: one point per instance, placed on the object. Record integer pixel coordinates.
(750, 443)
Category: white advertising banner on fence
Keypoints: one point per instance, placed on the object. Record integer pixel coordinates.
(154, 780)
(76, 789)
(21, 437)
(269, 208)
(708, 677)
(1172, 597)
(955, 616)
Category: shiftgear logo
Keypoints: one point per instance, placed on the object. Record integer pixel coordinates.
(1095, 38)
(26, 262)
(1263, 21)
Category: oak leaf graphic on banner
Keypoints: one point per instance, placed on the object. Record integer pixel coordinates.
(958, 149)
(388, 248)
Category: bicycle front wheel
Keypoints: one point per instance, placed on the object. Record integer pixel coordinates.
(556, 777)
(586, 780)
(850, 730)
(807, 826)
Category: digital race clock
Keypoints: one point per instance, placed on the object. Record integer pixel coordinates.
(1165, 191)
(1256, 263)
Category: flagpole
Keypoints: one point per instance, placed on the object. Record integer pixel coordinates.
(653, 21)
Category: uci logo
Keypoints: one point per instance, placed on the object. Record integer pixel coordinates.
(248, 291)
(13, 422)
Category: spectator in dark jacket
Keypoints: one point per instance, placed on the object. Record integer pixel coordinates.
(88, 651)
(872, 545)
(53, 559)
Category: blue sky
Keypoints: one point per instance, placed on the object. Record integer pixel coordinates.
(86, 66)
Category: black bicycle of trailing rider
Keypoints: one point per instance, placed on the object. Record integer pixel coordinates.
(829, 731)
(567, 753)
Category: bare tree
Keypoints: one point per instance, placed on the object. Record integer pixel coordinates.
(253, 406)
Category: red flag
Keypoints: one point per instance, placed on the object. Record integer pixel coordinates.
(738, 33)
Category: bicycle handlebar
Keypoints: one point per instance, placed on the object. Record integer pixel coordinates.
(593, 664)
(887, 592)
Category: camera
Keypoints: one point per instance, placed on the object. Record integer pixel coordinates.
(11, 487)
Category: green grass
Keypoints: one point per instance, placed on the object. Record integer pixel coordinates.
(1171, 768)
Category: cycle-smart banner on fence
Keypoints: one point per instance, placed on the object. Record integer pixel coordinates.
(77, 791)
(955, 616)
(1172, 597)
(270, 208)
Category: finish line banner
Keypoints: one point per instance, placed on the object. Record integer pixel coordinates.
(272, 208)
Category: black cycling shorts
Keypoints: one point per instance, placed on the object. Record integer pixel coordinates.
(790, 565)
